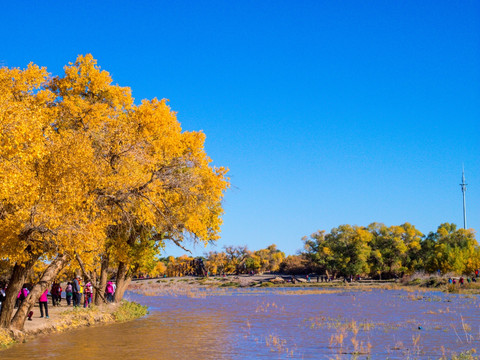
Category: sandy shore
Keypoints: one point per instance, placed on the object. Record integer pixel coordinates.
(202, 286)
(64, 318)
(59, 317)
(247, 281)
(193, 286)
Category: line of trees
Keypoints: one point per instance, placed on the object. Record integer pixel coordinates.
(381, 251)
(92, 182)
(233, 260)
(376, 251)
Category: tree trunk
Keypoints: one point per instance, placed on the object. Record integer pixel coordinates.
(14, 286)
(99, 296)
(93, 277)
(122, 281)
(47, 278)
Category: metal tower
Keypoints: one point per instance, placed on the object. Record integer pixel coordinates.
(464, 189)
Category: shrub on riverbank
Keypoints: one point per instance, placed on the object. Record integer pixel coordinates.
(425, 280)
(78, 317)
(6, 338)
(129, 311)
(125, 311)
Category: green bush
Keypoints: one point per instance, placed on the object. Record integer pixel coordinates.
(129, 310)
(267, 284)
(6, 338)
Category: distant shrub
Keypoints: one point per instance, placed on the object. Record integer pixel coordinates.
(435, 282)
(267, 284)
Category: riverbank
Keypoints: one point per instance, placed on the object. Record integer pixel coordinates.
(63, 318)
(188, 285)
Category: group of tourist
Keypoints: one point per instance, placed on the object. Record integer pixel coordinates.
(461, 280)
(75, 291)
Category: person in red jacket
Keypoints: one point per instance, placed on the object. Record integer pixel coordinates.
(54, 291)
(87, 294)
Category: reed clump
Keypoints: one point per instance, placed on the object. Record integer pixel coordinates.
(467, 355)
(276, 344)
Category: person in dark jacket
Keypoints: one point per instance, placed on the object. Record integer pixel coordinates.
(76, 291)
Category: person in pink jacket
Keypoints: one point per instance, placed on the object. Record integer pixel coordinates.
(109, 291)
(44, 303)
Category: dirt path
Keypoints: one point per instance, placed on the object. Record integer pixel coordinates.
(59, 319)
(54, 316)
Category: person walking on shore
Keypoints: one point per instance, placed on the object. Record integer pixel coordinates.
(59, 294)
(109, 291)
(88, 295)
(76, 291)
(56, 293)
(80, 293)
(53, 292)
(44, 303)
(22, 295)
(68, 293)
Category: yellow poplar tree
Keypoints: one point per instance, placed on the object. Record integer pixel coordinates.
(44, 202)
(155, 182)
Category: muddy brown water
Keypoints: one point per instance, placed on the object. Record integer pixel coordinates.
(277, 324)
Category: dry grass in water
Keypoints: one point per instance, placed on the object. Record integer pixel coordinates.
(337, 323)
(349, 331)
(276, 344)
(267, 307)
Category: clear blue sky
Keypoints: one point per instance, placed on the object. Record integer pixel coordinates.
(326, 112)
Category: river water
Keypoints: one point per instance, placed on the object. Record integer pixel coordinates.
(277, 324)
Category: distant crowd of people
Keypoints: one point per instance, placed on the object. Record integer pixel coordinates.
(461, 280)
(75, 291)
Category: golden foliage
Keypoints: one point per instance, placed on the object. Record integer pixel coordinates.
(81, 163)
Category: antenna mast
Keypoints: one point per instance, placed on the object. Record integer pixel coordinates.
(464, 189)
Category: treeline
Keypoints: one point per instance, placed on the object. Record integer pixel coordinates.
(233, 260)
(375, 251)
(381, 251)
(92, 183)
